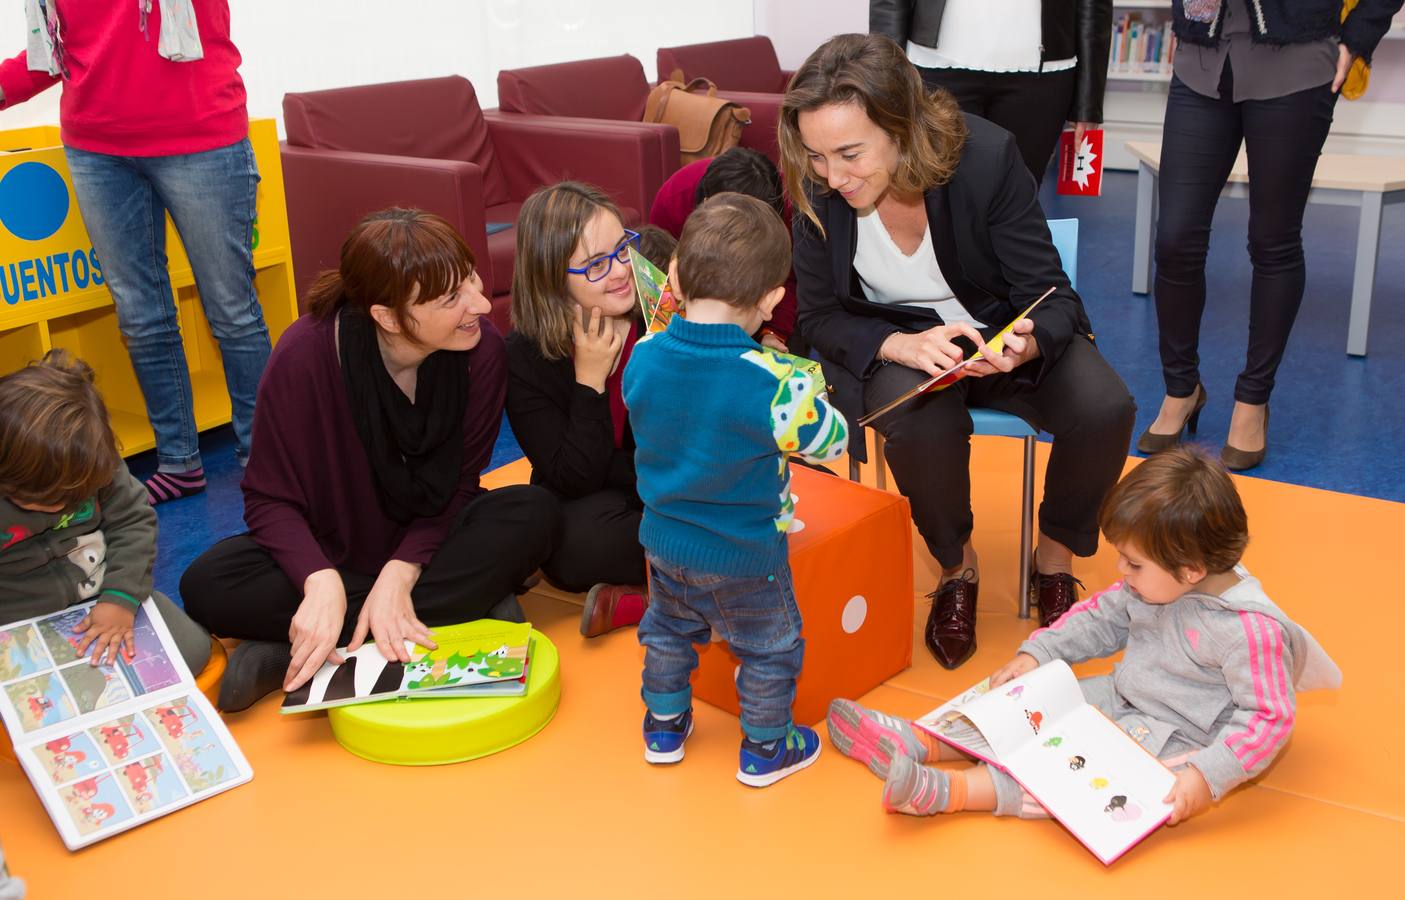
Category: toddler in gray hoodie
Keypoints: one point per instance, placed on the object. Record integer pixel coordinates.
(1210, 668)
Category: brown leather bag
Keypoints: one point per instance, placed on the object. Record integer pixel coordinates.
(706, 123)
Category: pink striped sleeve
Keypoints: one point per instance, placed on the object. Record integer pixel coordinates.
(1268, 728)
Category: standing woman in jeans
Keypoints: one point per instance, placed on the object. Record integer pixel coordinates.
(153, 120)
(1264, 73)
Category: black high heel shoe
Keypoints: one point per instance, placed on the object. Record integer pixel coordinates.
(1150, 442)
(1237, 460)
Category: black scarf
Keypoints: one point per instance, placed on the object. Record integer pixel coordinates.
(415, 449)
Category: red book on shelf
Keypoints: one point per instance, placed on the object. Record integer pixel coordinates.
(1081, 167)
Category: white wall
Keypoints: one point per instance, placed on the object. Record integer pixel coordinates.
(797, 27)
(299, 45)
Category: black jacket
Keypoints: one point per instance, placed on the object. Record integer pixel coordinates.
(564, 427)
(1081, 28)
(992, 242)
(1296, 22)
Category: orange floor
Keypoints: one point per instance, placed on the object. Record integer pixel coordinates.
(575, 812)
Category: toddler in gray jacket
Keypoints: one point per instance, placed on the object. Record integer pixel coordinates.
(1208, 676)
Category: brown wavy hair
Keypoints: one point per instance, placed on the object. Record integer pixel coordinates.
(1181, 509)
(394, 258)
(56, 442)
(549, 228)
(872, 72)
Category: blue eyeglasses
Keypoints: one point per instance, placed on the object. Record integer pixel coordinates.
(597, 267)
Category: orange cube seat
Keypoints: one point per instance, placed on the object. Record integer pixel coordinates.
(851, 561)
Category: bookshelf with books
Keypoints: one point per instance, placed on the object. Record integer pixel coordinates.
(1139, 76)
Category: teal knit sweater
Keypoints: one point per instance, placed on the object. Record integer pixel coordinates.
(715, 417)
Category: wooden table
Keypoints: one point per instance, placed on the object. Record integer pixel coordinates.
(1341, 179)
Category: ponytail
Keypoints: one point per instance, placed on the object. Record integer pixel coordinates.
(326, 295)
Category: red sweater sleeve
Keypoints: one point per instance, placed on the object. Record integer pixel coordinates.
(19, 83)
(482, 419)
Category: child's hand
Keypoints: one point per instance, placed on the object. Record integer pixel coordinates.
(772, 340)
(107, 628)
(1189, 796)
(1016, 667)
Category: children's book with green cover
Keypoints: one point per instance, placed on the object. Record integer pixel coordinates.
(482, 658)
(655, 298)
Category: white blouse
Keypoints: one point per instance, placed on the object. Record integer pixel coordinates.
(889, 276)
(988, 36)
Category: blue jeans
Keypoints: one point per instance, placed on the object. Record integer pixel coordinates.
(755, 615)
(211, 198)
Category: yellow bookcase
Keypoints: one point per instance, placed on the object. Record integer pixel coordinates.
(52, 295)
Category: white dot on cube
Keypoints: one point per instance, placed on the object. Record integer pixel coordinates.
(736, 674)
(855, 612)
(796, 525)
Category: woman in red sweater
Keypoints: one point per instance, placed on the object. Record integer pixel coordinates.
(153, 120)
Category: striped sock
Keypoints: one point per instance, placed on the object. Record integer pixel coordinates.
(165, 486)
(917, 790)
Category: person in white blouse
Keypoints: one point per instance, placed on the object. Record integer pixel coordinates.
(918, 234)
(1026, 65)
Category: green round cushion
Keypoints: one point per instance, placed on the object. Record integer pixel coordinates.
(427, 732)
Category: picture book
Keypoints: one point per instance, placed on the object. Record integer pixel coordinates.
(1087, 772)
(108, 748)
(655, 299)
(482, 658)
(1081, 167)
(943, 380)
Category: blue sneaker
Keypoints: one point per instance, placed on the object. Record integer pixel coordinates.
(763, 764)
(663, 739)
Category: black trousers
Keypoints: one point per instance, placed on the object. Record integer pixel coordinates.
(1081, 401)
(599, 542)
(1201, 138)
(1030, 105)
(235, 589)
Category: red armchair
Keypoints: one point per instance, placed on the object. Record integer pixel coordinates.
(745, 70)
(745, 64)
(615, 88)
(427, 143)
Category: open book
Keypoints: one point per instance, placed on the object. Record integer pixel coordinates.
(1086, 771)
(486, 658)
(943, 380)
(655, 298)
(110, 747)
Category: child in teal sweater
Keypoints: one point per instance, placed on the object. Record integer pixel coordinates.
(715, 418)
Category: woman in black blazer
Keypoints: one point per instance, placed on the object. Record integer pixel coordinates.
(886, 178)
(575, 321)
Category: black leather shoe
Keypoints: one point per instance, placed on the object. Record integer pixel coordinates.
(950, 634)
(1053, 594)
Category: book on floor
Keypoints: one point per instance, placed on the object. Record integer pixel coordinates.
(943, 380)
(1086, 771)
(108, 748)
(486, 658)
(656, 300)
(1081, 166)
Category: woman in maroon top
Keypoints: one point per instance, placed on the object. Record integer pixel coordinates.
(745, 171)
(374, 419)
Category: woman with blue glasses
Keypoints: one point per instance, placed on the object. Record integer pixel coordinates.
(575, 320)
